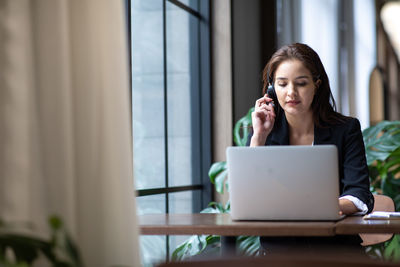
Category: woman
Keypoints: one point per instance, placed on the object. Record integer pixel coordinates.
(299, 109)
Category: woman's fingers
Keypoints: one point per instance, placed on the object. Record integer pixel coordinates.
(265, 112)
(260, 113)
(263, 116)
(268, 107)
(267, 99)
(259, 102)
(263, 100)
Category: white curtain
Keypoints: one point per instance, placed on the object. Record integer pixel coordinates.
(65, 139)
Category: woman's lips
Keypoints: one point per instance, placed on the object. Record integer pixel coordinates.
(292, 102)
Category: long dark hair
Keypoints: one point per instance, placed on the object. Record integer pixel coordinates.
(323, 104)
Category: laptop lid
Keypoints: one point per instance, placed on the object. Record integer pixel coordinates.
(283, 182)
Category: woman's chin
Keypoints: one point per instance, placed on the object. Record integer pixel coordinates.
(295, 111)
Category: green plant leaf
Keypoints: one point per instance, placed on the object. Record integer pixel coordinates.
(194, 246)
(72, 251)
(216, 169)
(382, 146)
(217, 173)
(227, 185)
(390, 186)
(220, 181)
(202, 243)
(210, 210)
(376, 251)
(373, 133)
(55, 222)
(218, 206)
(248, 245)
(24, 248)
(27, 248)
(213, 239)
(241, 129)
(228, 206)
(373, 155)
(396, 201)
(392, 250)
(180, 252)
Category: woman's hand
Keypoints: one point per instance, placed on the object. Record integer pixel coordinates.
(263, 119)
(346, 207)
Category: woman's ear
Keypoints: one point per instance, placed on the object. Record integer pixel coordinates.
(318, 83)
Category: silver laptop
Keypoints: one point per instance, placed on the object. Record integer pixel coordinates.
(283, 182)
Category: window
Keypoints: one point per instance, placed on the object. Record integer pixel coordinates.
(170, 65)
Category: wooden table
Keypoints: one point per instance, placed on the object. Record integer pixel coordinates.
(357, 225)
(221, 224)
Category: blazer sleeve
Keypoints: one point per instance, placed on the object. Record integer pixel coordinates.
(355, 170)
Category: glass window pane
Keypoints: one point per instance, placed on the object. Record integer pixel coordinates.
(150, 204)
(148, 93)
(183, 100)
(184, 202)
(153, 249)
(193, 4)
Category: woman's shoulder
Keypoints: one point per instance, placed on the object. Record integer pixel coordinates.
(346, 124)
(340, 133)
(346, 121)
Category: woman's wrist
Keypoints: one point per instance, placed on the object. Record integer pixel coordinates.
(258, 140)
(347, 207)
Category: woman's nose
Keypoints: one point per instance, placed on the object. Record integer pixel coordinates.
(291, 91)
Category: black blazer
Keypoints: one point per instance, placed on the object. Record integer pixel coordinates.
(347, 136)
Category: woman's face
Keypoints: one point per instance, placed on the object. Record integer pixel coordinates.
(294, 87)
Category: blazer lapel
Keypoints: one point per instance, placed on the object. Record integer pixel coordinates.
(322, 135)
(281, 133)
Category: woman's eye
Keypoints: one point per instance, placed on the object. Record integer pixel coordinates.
(281, 84)
(302, 84)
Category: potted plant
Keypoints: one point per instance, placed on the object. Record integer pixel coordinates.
(23, 249)
(382, 146)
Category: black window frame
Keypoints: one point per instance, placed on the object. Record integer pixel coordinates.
(200, 71)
